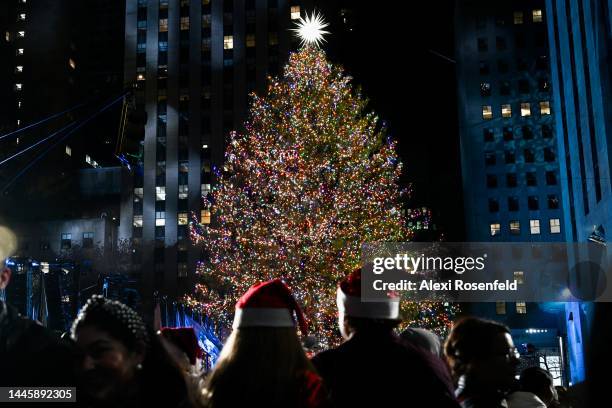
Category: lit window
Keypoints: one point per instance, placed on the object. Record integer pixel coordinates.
(495, 229)
(295, 12)
(537, 16)
(205, 217)
(206, 44)
(521, 308)
(184, 23)
(19, 51)
(66, 241)
(19, 104)
(71, 63)
(506, 110)
(518, 17)
(485, 89)
(138, 193)
(519, 277)
(137, 223)
(20, 34)
(88, 239)
(487, 112)
(228, 42)
(183, 191)
(544, 108)
(19, 68)
(21, 17)
(205, 189)
(140, 77)
(250, 40)
(515, 227)
(525, 109)
(160, 193)
(183, 219)
(160, 218)
(534, 227)
(68, 150)
(163, 25)
(18, 87)
(87, 159)
(555, 226)
(500, 308)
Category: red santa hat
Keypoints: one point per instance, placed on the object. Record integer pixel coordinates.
(185, 339)
(269, 304)
(348, 299)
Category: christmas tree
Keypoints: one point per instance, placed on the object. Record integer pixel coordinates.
(312, 178)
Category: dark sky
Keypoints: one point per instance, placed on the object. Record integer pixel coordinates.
(392, 54)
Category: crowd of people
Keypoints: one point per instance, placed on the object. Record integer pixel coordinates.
(114, 360)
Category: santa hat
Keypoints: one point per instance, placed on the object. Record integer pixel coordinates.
(185, 339)
(269, 304)
(348, 299)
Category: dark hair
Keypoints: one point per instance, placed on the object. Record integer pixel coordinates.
(367, 325)
(534, 379)
(469, 340)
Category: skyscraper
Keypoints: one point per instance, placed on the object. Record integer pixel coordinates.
(194, 63)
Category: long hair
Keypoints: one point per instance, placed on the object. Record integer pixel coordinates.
(259, 366)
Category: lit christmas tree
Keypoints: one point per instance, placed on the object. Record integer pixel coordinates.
(312, 178)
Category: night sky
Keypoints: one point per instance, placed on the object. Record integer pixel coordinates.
(393, 52)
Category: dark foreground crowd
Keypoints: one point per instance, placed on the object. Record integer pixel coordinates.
(114, 360)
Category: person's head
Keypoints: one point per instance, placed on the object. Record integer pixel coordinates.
(355, 316)
(182, 344)
(263, 356)
(113, 340)
(483, 351)
(539, 382)
(423, 338)
(5, 277)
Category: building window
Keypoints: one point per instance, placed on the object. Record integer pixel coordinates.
(515, 227)
(491, 181)
(184, 23)
(519, 277)
(295, 12)
(21, 17)
(68, 150)
(511, 180)
(205, 189)
(160, 193)
(533, 203)
(525, 109)
(137, 222)
(521, 308)
(506, 110)
(513, 204)
(487, 112)
(66, 241)
(555, 226)
(553, 202)
(88, 239)
(482, 45)
(544, 108)
(160, 218)
(549, 154)
(20, 34)
(537, 16)
(490, 158)
(495, 229)
(138, 193)
(518, 17)
(527, 133)
(546, 132)
(493, 205)
(19, 51)
(250, 40)
(508, 133)
(483, 68)
(500, 43)
(18, 87)
(534, 227)
(530, 179)
(183, 191)
(503, 67)
(183, 218)
(19, 68)
(205, 217)
(485, 89)
(543, 85)
(500, 308)
(182, 270)
(228, 42)
(509, 157)
(529, 156)
(71, 63)
(488, 135)
(163, 25)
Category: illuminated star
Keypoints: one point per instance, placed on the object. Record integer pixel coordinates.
(310, 29)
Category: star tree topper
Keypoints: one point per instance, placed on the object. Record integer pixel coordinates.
(309, 29)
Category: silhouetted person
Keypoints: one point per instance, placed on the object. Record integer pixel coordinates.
(536, 390)
(262, 363)
(483, 359)
(373, 367)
